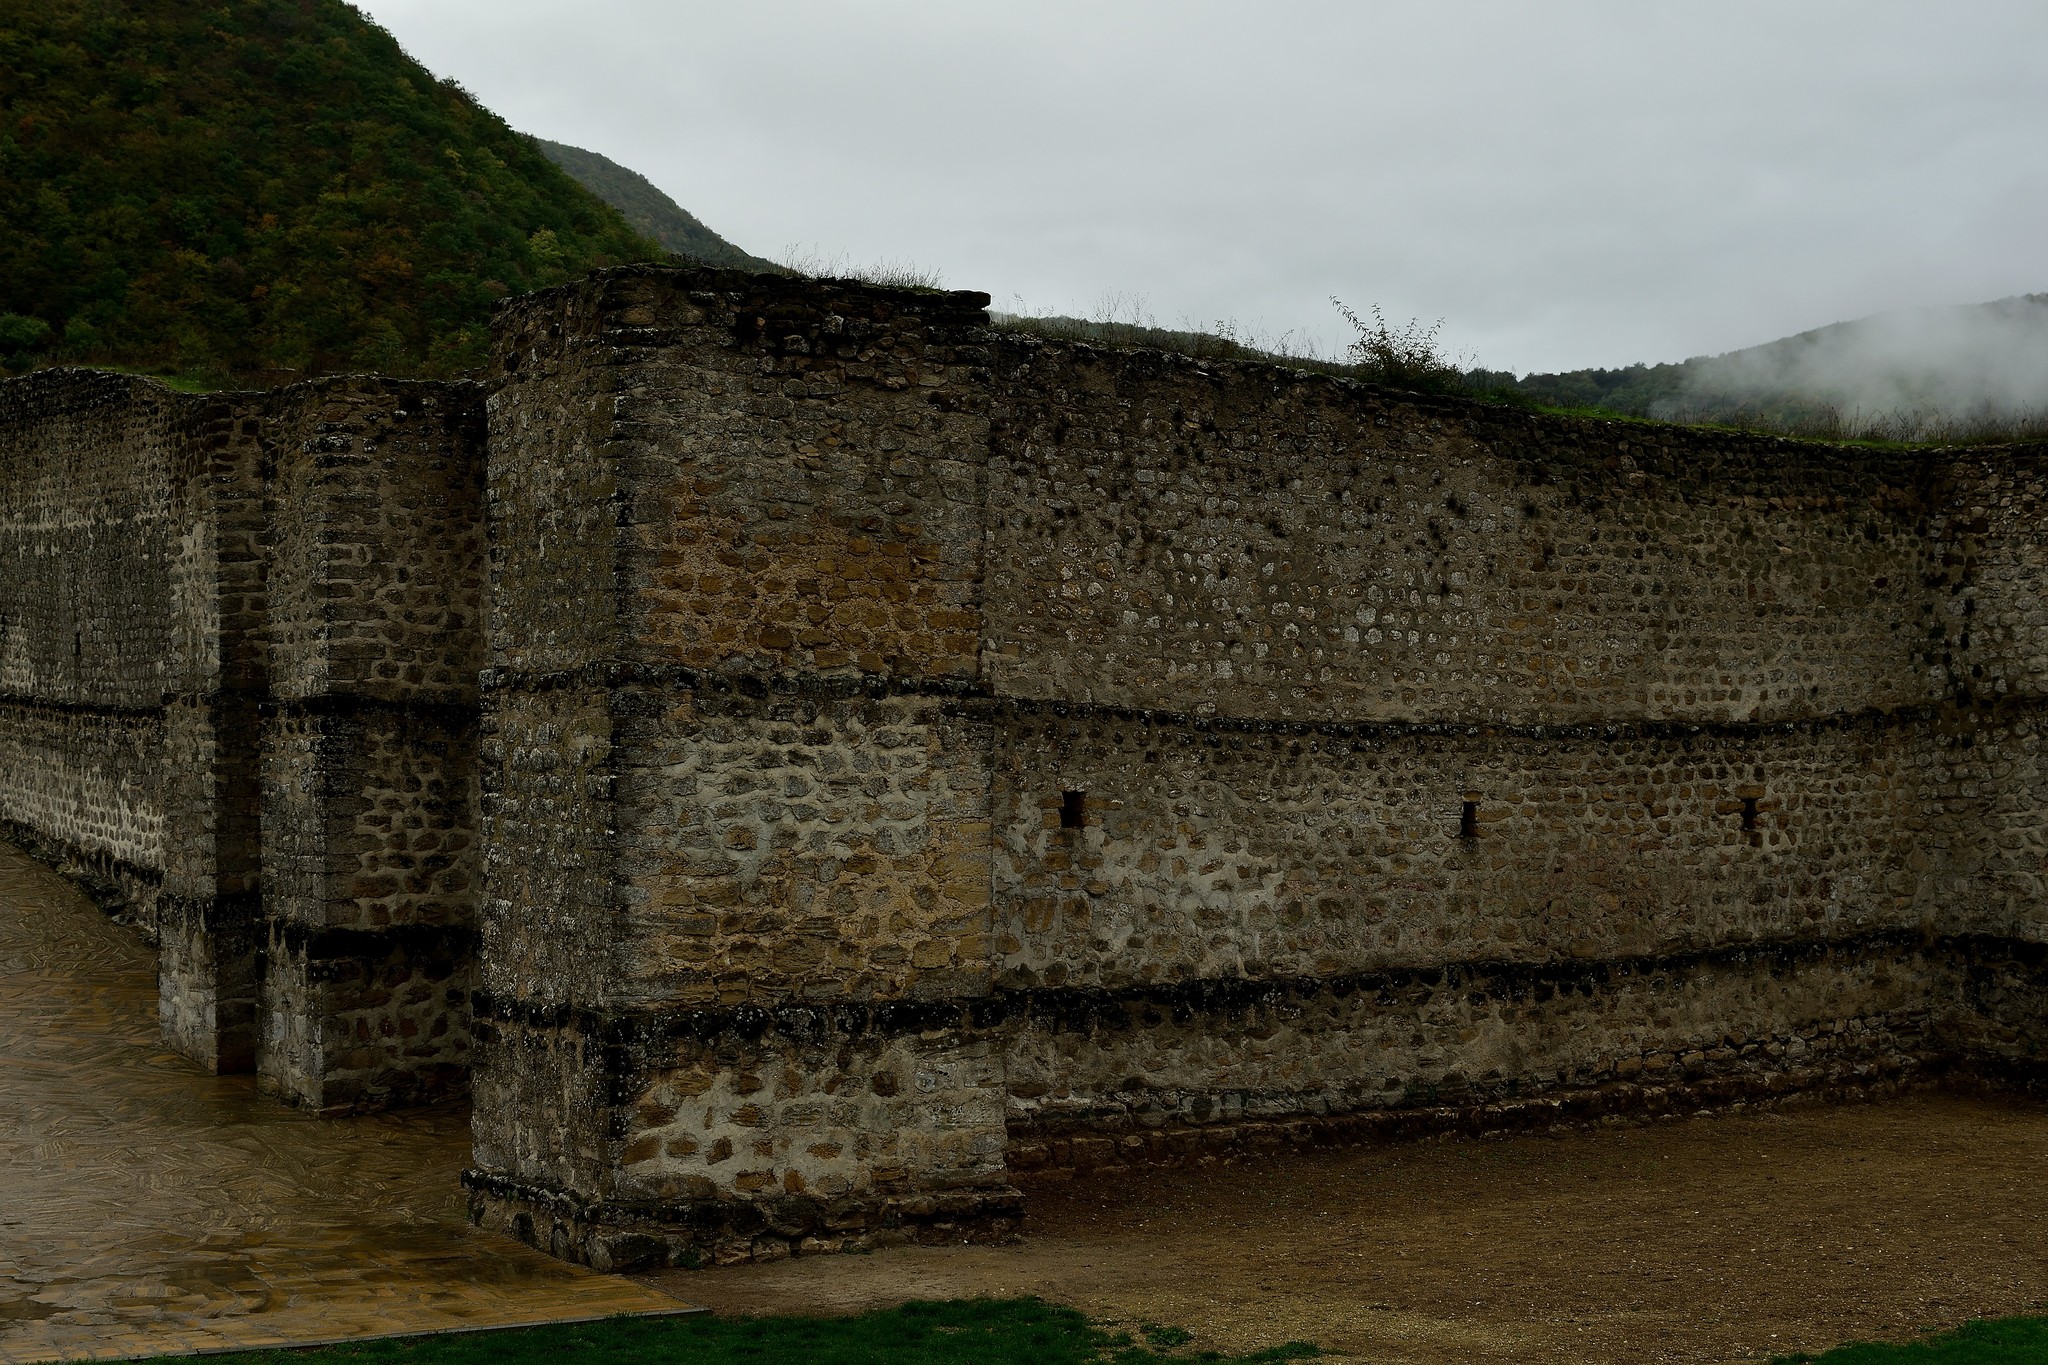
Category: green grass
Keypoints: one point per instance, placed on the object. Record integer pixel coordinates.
(182, 383)
(2000, 1341)
(975, 1332)
(958, 1332)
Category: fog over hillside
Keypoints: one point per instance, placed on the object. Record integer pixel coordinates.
(1986, 360)
(1976, 372)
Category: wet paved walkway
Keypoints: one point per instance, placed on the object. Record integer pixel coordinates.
(146, 1208)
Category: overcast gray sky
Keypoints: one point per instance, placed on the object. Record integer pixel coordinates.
(1565, 183)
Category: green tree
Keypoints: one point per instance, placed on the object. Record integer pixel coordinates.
(232, 188)
(20, 338)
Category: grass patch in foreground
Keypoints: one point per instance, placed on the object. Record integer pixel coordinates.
(1997, 1341)
(956, 1332)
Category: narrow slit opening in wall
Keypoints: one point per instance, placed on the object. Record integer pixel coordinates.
(1468, 821)
(1749, 812)
(1073, 810)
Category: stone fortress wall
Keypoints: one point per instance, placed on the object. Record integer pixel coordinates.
(876, 759)
(239, 639)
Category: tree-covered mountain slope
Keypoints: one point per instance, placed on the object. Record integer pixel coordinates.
(652, 213)
(239, 189)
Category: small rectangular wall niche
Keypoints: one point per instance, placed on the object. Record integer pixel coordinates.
(1468, 821)
(1748, 813)
(1073, 810)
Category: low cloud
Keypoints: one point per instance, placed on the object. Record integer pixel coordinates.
(1987, 362)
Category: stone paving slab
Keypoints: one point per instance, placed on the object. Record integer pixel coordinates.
(146, 1208)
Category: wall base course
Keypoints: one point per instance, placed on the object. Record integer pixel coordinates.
(692, 1234)
(209, 980)
(126, 893)
(1038, 1158)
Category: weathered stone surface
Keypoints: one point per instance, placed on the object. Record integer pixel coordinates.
(86, 499)
(1238, 540)
(82, 784)
(1220, 851)
(375, 573)
(132, 518)
(822, 757)
(803, 847)
(371, 875)
(1205, 750)
(779, 484)
(182, 565)
(375, 640)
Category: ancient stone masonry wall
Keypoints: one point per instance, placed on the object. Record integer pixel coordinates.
(1987, 631)
(84, 638)
(1991, 630)
(1246, 541)
(1217, 851)
(1279, 613)
(825, 759)
(369, 767)
(87, 496)
(1097, 1081)
(164, 552)
(915, 755)
(129, 654)
(210, 915)
(79, 787)
(1604, 909)
(735, 540)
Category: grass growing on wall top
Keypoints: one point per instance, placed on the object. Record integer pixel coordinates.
(958, 1332)
(1410, 357)
(811, 263)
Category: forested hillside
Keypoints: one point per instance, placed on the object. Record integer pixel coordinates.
(237, 190)
(651, 212)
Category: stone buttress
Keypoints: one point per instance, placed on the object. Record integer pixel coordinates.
(210, 910)
(370, 855)
(736, 812)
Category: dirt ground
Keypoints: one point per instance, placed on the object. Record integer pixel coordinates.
(1715, 1239)
(147, 1208)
